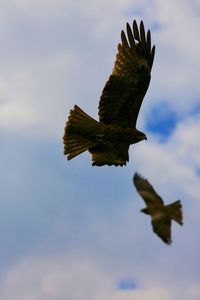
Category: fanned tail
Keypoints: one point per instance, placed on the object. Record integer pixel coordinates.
(175, 210)
(79, 133)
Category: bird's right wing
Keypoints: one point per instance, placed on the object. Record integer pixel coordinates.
(146, 191)
(123, 93)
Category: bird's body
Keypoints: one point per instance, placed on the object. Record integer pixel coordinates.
(108, 139)
(161, 214)
(84, 133)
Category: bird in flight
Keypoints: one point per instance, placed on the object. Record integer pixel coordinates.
(161, 214)
(108, 139)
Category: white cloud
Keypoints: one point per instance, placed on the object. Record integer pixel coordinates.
(75, 278)
(62, 53)
(66, 52)
(145, 294)
(185, 142)
(52, 278)
(177, 159)
(15, 116)
(32, 96)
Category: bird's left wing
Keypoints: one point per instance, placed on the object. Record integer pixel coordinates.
(124, 91)
(146, 191)
(162, 227)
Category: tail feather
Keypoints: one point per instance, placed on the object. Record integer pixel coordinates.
(175, 210)
(78, 133)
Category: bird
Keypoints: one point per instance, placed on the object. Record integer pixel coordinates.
(108, 139)
(161, 214)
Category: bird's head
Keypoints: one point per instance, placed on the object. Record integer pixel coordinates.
(141, 136)
(145, 211)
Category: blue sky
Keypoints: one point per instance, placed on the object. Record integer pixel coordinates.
(69, 230)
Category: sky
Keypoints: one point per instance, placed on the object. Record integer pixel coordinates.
(69, 230)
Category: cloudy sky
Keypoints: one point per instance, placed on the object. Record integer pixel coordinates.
(69, 230)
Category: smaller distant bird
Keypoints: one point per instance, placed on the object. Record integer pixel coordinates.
(161, 214)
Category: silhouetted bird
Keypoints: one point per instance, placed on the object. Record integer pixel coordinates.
(109, 139)
(161, 214)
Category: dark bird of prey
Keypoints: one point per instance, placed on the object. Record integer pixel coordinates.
(161, 214)
(109, 139)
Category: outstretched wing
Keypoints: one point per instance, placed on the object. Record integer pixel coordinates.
(162, 227)
(124, 91)
(146, 191)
